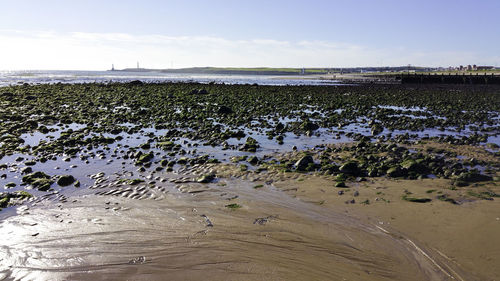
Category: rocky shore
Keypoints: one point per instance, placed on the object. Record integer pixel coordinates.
(379, 182)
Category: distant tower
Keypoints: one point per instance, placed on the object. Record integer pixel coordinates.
(112, 67)
(137, 65)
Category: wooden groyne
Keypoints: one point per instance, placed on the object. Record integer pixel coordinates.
(457, 78)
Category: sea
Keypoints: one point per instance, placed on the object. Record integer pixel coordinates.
(75, 76)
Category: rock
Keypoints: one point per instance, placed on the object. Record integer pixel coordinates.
(145, 158)
(224, 110)
(135, 181)
(376, 129)
(473, 176)
(166, 145)
(395, 172)
(30, 163)
(491, 145)
(198, 92)
(42, 184)
(26, 170)
(416, 200)
(250, 145)
(65, 180)
(145, 146)
(414, 166)
(206, 178)
(308, 126)
(460, 183)
(351, 168)
(279, 127)
(340, 184)
(303, 163)
(340, 177)
(136, 83)
(373, 172)
(253, 160)
(10, 185)
(34, 176)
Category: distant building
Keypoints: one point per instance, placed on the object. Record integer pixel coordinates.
(484, 67)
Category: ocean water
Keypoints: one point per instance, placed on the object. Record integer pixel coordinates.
(65, 76)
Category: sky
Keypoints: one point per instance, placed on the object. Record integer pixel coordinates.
(93, 35)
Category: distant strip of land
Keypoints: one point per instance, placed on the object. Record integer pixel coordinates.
(309, 71)
(380, 75)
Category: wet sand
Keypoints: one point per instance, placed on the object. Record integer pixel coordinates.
(278, 234)
(464, 235)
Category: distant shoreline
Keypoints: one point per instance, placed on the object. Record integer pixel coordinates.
(277, 71)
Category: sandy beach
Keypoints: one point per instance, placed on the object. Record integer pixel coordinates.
(296, 228)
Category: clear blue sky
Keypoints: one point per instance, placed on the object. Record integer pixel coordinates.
(93, 34)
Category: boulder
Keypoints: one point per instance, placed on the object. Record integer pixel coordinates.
(303, 163)
(65, 180)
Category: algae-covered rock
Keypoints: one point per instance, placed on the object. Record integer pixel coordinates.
(26, 170)
(65, 180)
(253, 160)
(10, 185)
(351, 168)
(250, 145)
(224, 110)
(42, 184)
(473, 176)
(30, 163)
(308, 126)
(395, 172)
(206, 178)
(340, 184)
(146, 157)
(135, 181)
(491, 145)
(303, 163)
(166, 145)
(29, 178)
(233, 206)
(376, 129)
(416, 200)
(340, 177)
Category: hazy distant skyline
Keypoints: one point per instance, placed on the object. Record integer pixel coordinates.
(91, 35)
